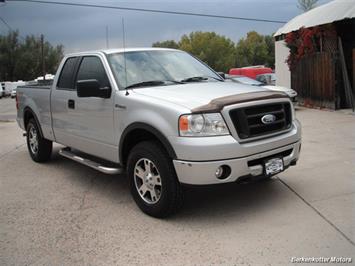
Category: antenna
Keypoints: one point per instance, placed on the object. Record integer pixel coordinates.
(124, 54)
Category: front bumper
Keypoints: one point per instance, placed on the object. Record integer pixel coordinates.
(203, 173)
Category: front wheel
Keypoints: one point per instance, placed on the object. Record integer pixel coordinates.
(153, 182)
(39, 148)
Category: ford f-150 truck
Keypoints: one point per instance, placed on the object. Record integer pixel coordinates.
(161, 116)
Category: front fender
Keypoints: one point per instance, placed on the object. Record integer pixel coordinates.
(146, 127)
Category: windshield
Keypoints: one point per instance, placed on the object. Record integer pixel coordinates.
(150, 67)
(273, 77)
(248, 81)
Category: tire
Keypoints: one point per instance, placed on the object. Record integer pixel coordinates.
(39, 148)
(152, 163)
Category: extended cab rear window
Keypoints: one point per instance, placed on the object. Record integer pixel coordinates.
(66, 78)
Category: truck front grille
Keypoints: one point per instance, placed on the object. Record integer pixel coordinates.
(248, 120)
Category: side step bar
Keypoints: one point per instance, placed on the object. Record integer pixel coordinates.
(67, 153)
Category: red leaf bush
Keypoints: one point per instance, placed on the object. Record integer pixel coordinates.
(305, 42)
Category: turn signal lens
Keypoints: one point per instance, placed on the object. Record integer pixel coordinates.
(183, 123)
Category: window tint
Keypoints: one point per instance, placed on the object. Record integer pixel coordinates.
(92, 68)
(149, 65)
(66, 76)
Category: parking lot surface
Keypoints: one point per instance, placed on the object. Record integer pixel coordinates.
(63, 213)
(7, 109)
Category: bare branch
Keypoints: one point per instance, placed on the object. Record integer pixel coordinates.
(307, 5)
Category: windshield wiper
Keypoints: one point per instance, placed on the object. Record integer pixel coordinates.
(199, 78)
(152, 83)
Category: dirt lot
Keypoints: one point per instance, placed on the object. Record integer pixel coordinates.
(62, 213)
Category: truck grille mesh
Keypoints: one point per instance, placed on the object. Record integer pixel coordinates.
(248, 120)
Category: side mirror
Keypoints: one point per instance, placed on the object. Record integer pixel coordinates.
(222, 75)
(91, 88)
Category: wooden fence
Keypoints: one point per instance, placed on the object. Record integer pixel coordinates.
(315, 80)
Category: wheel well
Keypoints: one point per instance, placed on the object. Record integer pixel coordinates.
(27, 116)
(137, 135)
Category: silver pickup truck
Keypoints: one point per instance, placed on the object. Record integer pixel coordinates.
(161, 116)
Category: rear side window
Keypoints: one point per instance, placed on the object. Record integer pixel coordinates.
(92, 68)
(66, 76)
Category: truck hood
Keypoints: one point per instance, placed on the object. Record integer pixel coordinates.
(289, 92)
(193, 95)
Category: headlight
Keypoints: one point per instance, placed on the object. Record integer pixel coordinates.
(201, 125)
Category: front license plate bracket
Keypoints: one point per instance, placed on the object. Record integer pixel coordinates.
(273, 166)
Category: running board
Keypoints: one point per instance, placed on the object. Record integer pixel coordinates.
(95, 165)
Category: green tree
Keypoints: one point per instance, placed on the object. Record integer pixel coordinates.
(270, 44)
(23, 59)
(255, 49)
(9, 54)
(215, 50)
(166, 44)
(222, 54)
(306, 5)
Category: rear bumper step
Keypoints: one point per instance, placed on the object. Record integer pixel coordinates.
(67, 153)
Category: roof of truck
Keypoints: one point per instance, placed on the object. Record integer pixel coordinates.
(121, 50)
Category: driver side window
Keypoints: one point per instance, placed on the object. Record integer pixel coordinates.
(92, 68)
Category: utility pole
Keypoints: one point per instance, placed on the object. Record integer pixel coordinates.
(107, 44)
(42, 54)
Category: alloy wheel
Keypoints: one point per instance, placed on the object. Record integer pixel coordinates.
(147, 180)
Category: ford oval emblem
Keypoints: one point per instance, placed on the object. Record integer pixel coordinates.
(268, 119)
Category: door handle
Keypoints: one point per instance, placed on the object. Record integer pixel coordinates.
(71, 104)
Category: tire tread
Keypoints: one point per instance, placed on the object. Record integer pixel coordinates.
(44, 145)
(175, 197)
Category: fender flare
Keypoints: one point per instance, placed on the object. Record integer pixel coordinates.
(29, 110)
(139, 125)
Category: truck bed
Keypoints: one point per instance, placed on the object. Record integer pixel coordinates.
(37, 98)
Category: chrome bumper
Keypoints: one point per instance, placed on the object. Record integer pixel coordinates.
(204, 173)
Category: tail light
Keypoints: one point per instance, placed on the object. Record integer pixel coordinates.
(16, 101)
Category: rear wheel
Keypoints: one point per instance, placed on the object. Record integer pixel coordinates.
(153, 182)
(39, 148)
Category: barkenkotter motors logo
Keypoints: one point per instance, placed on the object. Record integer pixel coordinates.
(321, 260)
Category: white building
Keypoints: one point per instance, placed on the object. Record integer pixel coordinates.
(336, 10)
(340, 15)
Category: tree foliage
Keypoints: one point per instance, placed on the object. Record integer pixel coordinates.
(215, 50)
(306, 5)
(166, 44)
(255, 49)
(222, 53)
(22, 59)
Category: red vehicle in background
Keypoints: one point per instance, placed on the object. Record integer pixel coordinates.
(250, 72)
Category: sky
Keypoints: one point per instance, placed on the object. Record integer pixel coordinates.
(82, 28)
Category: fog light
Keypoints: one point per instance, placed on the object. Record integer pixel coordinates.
(219, 172)
(223, 171)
